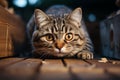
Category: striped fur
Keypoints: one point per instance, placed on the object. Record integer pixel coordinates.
(60, 35)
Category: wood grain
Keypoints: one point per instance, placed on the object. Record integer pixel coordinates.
(58, 69)
(9, 61)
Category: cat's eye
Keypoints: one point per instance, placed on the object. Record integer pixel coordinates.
(69, 36)
(49, 37)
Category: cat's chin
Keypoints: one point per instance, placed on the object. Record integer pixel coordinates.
(60, 54)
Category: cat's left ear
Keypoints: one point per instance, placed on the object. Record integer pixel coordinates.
(76, 16)
(40, 17)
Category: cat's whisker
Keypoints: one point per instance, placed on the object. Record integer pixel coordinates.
(47, 56)
(42, 56)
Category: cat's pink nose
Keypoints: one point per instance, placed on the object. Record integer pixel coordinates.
(59, 44)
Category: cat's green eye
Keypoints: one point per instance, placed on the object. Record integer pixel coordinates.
(49, 37)
(68, 36)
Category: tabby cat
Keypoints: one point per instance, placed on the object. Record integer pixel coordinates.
(60, 33)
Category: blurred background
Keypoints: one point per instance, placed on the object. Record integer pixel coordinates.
(94, 11)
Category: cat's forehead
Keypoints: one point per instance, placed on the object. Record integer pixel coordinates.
(58, 17)
(62, 22)
(58, 21)
(59, 27)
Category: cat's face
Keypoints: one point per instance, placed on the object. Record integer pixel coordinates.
(58, 36)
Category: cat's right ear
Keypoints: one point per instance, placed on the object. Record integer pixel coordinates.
(40, 17)
(76, 16)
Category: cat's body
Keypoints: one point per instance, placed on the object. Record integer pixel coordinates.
(60, 33)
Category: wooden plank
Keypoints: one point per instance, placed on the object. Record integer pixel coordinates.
(81, 70)
(23, 70)
(8, 61)
(11, 27)
(88, 76)
(53, 70)
(6, 47)
(82, 66)
(52, 65)
(25, 67)
(114, 62)
(56, 69)
(76, 63)
(114, 71)
(111, 69)
(104, 65)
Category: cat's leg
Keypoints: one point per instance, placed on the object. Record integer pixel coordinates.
(85, 54)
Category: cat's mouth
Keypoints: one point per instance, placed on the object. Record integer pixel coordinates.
(48, 53)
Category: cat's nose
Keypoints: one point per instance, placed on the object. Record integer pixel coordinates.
(59, 44)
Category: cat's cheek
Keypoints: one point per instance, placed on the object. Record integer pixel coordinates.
(81, 42)
(42, 39)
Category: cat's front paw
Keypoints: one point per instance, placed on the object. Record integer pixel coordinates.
(85, 55)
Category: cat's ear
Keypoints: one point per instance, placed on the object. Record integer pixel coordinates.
(40, 17)
(76, 16)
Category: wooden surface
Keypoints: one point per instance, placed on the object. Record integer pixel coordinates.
(58, 69)
(12, 34)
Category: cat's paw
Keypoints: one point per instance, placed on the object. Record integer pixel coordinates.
(85, 55)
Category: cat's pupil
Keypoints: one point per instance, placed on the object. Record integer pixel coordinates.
(68, 36)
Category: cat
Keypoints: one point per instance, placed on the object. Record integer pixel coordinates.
(60, 32)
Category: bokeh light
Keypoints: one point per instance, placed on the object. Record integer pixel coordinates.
(91, 17)
(20, 3)
(33, 2)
